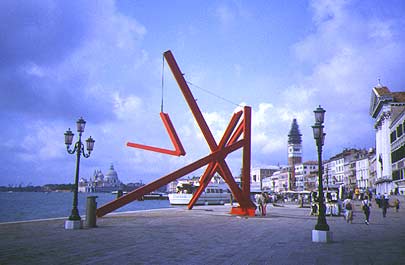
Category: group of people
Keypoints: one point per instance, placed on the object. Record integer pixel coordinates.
(349, 207)
(382, 202)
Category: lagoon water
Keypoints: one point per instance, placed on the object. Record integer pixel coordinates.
(22, 206)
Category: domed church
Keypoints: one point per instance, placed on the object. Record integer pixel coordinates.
(100, 182)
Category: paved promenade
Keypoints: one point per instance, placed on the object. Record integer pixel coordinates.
(208, 235)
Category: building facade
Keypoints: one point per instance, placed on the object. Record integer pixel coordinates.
(259, 178)
(386, 107)
(100, 182)
(397, 140)
(306, 176)
(364, 171)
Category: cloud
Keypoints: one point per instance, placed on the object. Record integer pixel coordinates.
(42, 144)
(126, 108)
(63, 60)
(339, 62)
(67, 52)
(229, 13)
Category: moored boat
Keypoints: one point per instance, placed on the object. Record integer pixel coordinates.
(213, 195)
(155, 196)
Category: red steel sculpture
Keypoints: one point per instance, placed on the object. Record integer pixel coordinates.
(215, 162)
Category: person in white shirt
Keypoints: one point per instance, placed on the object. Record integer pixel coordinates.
(366, 204)
(348, 206)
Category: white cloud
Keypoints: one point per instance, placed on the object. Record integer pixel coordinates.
(230, 13)
(35, 70)
(126, 108)
(43, 143)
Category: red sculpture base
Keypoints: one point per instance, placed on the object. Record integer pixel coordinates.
(243, 211)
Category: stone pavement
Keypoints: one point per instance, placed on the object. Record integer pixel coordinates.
(207, 235)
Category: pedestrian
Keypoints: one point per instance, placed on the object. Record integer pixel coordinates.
(384, 204)
(264, 203)
(314, 209)
(366, 204)
(348, 206)
(314, 206)
(396, 204)
(357, 193)
(378, 200)
(259, 203)
(260, 199)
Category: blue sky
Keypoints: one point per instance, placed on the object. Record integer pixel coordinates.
(102, 60)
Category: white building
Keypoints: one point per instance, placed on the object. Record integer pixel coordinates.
(279, 180)
(385, 107)
(100, 182)
(397, 139)
(364, 171)
(305, 176)
(260, 178)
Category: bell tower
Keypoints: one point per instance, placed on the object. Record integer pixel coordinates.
(294, 153)
(294, 145)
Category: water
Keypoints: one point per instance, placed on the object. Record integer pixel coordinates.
(22, 206)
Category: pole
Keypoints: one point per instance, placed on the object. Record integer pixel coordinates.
(321, 225)
(75, 212)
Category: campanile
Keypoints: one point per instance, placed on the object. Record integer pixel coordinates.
(294, 145)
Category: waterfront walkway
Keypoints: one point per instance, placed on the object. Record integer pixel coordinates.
(208, 235)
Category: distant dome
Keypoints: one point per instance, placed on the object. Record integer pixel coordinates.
(98, 176)
(111, 176)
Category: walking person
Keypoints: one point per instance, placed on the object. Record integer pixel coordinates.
(260, 199)
(348, 206)
(384, 204)
(366, 204)
(396, 204)
(378, 200)
(264, 203)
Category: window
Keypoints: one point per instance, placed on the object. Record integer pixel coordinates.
(393, 136)
(396, 175)
(398, 154)
(399, 130)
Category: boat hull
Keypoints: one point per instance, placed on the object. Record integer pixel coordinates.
(205, 199)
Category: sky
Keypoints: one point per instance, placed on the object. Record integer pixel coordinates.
(102, 60)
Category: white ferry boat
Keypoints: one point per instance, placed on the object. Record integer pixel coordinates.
(214, 194)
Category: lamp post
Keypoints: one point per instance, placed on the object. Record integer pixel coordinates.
(319, 136)
(79, 150)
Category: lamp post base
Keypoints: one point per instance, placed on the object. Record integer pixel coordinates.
(321, 236)
(73, 225)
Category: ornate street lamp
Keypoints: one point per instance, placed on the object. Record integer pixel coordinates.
(319, 136)
(79, 150)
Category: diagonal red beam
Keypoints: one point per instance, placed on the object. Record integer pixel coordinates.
(153, 149)
(237, 133)
(138, 193)
(178, 147)
(190, 100)
(172, 133)
(244, 201)
(206, 178)
(231, 126)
